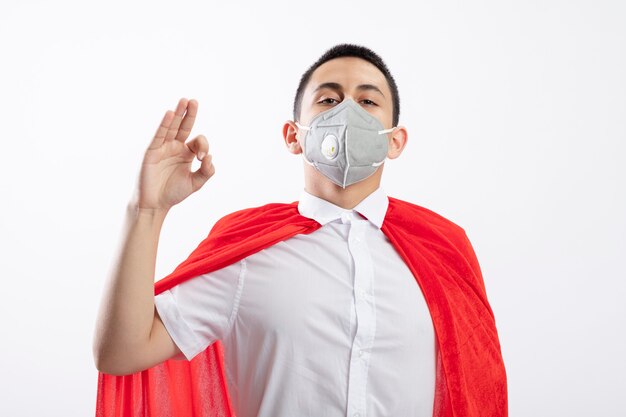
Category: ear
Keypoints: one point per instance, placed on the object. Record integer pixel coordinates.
(397, 142)
(290, 135)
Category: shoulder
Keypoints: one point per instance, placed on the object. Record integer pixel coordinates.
(427, 225)
(438, 232)
(413, 212)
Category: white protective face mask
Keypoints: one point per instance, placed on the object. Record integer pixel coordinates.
(345, 143)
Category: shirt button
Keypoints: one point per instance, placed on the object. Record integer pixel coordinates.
(356, 415)
(360, 352)
(363, 293)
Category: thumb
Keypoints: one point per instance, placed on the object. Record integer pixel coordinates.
(203, 173)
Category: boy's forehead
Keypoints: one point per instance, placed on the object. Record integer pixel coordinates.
(349, 72)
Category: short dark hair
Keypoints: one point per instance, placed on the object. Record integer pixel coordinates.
(347, 50)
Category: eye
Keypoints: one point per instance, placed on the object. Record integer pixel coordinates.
(325, 101)
(369, 102)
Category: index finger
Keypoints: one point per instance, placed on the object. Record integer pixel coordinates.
(187, 123)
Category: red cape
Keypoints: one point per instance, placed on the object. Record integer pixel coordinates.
(470, 379)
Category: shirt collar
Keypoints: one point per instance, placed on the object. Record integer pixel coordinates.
(373, 207)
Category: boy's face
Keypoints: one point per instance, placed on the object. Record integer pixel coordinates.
(330, 84)
(347, 77)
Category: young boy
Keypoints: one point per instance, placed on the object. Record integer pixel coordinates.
(347, 302)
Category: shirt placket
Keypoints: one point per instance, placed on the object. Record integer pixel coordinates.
(364, 309)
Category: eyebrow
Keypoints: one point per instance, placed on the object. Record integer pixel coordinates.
(338, 87)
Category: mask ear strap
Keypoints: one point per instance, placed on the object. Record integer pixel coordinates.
(380, 132)
(303, 155)
(307, 161)
(303, 127)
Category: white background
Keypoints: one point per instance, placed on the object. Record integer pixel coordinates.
(516, 119)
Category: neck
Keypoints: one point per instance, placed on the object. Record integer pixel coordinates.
(317, 184)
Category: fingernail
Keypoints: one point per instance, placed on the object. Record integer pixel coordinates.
(200, 155)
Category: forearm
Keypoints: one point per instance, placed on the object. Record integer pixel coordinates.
(126, 311)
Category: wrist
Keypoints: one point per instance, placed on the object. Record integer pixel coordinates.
(135, 210)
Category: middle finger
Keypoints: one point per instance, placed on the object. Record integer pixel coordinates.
(188, 121)
(178, 115)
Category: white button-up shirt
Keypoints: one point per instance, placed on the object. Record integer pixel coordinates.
(331, 323)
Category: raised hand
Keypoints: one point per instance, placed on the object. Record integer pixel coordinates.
(165, 178)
